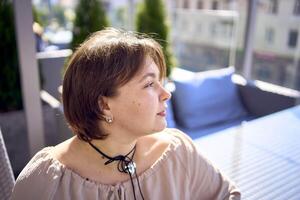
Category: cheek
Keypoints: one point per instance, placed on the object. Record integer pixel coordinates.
(144, 105)
(136, 106)
(130, 107)
(141, 104)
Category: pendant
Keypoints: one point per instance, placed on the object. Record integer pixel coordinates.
(131, 167)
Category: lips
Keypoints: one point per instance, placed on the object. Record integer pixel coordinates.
(162, 113)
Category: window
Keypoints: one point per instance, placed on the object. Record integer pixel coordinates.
(293, 37)
(215, 5)
(213, 30)
(264, 73)
(297, 7)
(186, 4)
(215, 39)
(200, 4)
(227, 29)
(198, 26)
(177, 4)
(273, 6)
(269, 35)
(272, 62)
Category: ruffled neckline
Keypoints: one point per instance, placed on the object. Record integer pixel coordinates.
(64, 170)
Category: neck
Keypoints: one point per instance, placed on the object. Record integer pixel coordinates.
(118, 142)
(114, 146)
(118, 157)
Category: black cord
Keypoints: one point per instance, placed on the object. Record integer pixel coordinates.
(133, 188)
(125, 165)
(139, 185)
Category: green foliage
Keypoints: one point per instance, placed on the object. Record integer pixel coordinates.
(151, 19)
(90, 17)
(40, 16)
(121, 15)
(36, 16)
(58, 13)
(44, 18)
(10, 89)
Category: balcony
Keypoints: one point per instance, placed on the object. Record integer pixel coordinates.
(248, 127)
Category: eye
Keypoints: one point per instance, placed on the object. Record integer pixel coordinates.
(149, 85)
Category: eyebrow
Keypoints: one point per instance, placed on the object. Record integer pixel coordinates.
(153, 75)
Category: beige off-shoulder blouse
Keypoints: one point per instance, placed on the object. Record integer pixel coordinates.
(180, 173)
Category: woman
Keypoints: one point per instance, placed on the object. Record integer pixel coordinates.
(115, 104)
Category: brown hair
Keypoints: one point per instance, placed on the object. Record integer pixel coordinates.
(107, 60)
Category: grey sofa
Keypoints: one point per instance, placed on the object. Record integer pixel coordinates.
(207, 102)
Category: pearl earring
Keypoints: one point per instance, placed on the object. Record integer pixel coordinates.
(109, 120)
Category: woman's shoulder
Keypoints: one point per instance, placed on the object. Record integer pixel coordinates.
(37, 176)
(183, 148)
(40, 161)
(178, 138)
(180, 151)
(46, 158)
(168, 137)
(172, 142)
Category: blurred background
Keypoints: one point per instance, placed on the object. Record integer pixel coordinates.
(259, 38)
(203, 34)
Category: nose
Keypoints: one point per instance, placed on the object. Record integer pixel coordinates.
(165, 94)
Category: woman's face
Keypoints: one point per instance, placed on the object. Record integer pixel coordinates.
(140, 106)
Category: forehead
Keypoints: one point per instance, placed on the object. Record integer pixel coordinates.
(148, 67)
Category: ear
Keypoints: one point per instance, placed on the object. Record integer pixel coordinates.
(103, 103)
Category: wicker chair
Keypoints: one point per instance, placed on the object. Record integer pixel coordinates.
(6, 174)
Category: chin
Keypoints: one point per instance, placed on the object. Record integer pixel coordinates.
(160, 127)
(156, 130)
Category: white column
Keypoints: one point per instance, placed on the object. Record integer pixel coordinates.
(249, 38)
(29, 74)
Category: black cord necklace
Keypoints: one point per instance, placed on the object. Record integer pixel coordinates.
(125, 165)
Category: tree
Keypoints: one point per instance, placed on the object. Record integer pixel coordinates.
(151, 19)
(90, 17)
(10, 87)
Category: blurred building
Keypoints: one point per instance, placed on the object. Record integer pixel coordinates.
(209, 34)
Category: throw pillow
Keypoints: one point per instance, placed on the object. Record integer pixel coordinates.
(206, 98)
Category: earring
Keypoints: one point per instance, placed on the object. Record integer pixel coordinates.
(109, 120)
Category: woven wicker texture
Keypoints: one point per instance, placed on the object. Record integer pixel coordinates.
(6, 175)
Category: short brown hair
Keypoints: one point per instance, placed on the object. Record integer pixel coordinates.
(107, 60)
